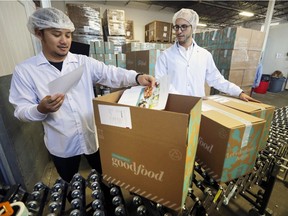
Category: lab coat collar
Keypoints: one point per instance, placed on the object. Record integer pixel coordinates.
(41, 59)
(194, 44)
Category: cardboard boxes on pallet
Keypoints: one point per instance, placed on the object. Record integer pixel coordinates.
(228, 141)
(87, 22)
(129, 29)
(114, 22)
(236, 52)
(142, 153)
(158, 31)
(86, 18)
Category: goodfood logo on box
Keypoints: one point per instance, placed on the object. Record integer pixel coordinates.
(206, 146)
(121, 162)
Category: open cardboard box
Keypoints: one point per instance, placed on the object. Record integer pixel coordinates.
(260, 110)
(228, 141)
(149, 152)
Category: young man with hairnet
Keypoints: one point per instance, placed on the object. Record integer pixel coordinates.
(190, 66)
(67, 119)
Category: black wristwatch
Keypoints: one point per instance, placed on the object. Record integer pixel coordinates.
(136, 78)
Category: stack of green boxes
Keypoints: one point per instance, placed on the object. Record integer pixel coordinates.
(104, 51)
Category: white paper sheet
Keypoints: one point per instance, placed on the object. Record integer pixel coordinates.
(64, 83)
(118, 116)
(130, 96)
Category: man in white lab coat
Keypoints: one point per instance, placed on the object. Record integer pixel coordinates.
(190, 66)
(67, 118)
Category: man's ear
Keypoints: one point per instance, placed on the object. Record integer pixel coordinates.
(39, 33)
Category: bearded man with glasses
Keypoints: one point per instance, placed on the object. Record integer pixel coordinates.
(189, 65)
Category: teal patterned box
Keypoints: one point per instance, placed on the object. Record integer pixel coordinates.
(228, 141)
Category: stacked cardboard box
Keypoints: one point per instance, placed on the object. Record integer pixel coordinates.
(115, 28)
(143, 61)
(114, 22)
(136, 46)
(129, 29)
(132, 139)
(121, 60)
(103, 51)
(118, 41)
(142, 56)
(228, 141)
(158, 31)
(260, 110)
(236, 52)
(87, 22)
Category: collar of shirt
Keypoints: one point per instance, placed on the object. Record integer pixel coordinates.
(41, 59)
(186, 52)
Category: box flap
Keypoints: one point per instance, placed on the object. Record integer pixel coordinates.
(229, 117)
(248, 107)
(181, 103)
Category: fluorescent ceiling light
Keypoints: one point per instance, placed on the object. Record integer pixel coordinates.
(201, 24)
(273, 24)
(245, 13)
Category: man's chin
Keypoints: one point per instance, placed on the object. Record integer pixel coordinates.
(181, 42)
(62, 54)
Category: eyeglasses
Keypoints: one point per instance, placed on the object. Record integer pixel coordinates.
(182, 27)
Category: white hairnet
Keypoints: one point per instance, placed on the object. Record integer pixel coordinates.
(44, 18)
(189, 15)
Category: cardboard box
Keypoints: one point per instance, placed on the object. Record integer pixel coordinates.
(235, 38)
(100, 57)
(257, 40)
(233, 59)
(158, 31)
(129, 47)
(108, 48)
(146, 60)
(248, 77)
(121, 60)
(240, 77)
(202, 38)
(110, 59)
(147, 46)
(214, 39)
(129, 29)
(99, 47)
(144, 152)
(131, 60)
(236, 76)
(86, 19)
(228, 141)
(259, 110)
(253, 59)
(114, 22)
(117, 40)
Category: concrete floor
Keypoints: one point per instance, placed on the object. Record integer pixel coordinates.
(239, 206)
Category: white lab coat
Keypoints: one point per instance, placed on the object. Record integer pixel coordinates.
(188, 75)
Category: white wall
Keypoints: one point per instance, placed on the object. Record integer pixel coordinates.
(275, 55)
(16, 42)
(140, 17)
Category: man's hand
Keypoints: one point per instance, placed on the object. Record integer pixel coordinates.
(247, 98)
(146, 80)
(51, 103)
